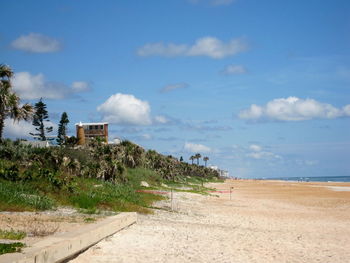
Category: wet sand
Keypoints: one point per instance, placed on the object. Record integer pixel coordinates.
(266, 221)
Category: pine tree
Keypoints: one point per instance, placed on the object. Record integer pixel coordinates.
(40, 117)
(62, 129)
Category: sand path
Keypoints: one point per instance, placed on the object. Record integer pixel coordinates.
(264, 222)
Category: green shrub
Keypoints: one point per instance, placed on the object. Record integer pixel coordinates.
(10, 248)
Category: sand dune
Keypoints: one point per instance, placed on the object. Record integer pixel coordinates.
(266, 221)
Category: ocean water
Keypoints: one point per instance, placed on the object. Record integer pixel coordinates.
(315, 179)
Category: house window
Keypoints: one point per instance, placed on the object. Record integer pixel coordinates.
(101, 127)
(96, 127)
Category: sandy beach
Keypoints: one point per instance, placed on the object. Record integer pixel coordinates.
(266, 221)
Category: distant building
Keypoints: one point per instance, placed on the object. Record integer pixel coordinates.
(86, 131)
(222, 173)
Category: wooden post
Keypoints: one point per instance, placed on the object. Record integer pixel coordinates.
(231, 193)
(171, 196)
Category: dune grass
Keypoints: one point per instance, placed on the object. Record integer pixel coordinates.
(95, 195)
(192, 184)
(18, 196)
(12, 234)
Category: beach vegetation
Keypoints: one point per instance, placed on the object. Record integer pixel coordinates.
(11, 247)
(62, 129)
(12, 234)
(40, 118)
(205, 159)
(197, 157)
(93, 178)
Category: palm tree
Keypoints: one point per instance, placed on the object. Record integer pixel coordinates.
(205, 159)
(192, 158)
(197, 156)
(9, 101)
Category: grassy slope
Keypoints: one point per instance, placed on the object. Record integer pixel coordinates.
(94, 178)
(89, 195)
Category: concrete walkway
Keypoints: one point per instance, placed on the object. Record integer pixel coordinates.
(58, 248)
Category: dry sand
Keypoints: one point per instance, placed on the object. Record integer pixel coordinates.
(266, 221)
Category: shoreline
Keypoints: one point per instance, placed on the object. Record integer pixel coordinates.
(306, 179)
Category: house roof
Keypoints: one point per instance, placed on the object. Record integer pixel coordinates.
(91, 123)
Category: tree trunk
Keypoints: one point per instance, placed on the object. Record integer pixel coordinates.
(2, 124)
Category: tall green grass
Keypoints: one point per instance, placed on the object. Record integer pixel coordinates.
(18, 196)
(136, 175)
(94, 195)
(90, 195)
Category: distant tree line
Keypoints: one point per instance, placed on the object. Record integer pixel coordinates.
(198, 156)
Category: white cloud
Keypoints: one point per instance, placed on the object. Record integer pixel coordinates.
(234, 70)
(36, 43)
(255, 148)
(80, 86)
(346, 110)
(172, 87)
(196, 148)
(30, 87)
(146, 136)
(23, 128)
(254, 112)
(206, 46)
(259, 153)
(215, 48)
(263, 155)
(161, 119)
(17, 129)
(294, 109)
(125, 109)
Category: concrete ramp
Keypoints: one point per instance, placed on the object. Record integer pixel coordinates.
(58, 248)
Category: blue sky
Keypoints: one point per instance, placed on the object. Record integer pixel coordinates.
(260, 87)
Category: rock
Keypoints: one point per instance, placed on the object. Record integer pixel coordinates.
(66, 161)
(164, 185)
(145, 184)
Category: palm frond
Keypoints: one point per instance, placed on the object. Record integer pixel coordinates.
(5, 71)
